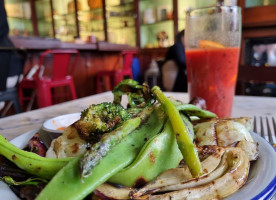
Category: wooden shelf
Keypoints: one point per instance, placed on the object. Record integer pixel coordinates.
(259, 16)
(158, 22)
(20, 18)
(109, 7)
(258, 23)
(90, 10)
(252, 73)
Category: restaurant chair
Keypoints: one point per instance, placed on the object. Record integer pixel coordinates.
(12, 66)
(42, 85)
(115, 76)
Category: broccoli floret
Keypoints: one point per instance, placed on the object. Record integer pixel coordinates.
(139, 96)
(102, 118)
(99, 119)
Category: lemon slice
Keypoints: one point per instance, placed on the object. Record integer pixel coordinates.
(209, 44)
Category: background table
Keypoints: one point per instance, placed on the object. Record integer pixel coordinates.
(15, 125)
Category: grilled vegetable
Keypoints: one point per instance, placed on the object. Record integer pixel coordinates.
(108, 191)
(225, 171)
(227, 178)
(211, 158)
(181, 132)
(30, 192)
(67, 184)
(139, 96)
(158, 154)
(36, 145)
(227, 132)
(8, 168)
(223, 132)
(31, 162)
(198, 102)
(69, 144)
(30, 181)
(95, 154)
(124, 142)
(99, 119)
(192, 110)
(250, 149)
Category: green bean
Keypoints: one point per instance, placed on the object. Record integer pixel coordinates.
(158, 154)
(193, 110)
(184, 141)
(95, 154)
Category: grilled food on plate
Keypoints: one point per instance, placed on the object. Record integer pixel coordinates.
(154, 148)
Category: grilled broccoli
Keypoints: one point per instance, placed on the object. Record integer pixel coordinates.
(105, 117)
(98, 119)
(139, 96)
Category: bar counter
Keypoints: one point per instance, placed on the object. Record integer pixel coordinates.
(15, 125)
(93, 58)
(38, 43)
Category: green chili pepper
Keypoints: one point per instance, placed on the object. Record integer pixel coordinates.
(183, 138)
(67, 184)
(158, 154)
(31, 162)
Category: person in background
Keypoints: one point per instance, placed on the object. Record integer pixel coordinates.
(4, 42)
(10, 61)
(4, 27)
(174, 68)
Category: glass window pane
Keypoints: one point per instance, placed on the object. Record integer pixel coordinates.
(44, 18)
(91, 22)
(183, 7)
(19, 17)
(121, 27)
(64, 16)
(156, 23)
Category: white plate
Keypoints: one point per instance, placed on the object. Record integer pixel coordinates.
(261, 183)
(59, 123)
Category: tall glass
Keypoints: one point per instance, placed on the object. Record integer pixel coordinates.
(212, 42)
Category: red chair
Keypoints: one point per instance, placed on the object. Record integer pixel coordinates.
(60, 77)
(30, 85)
(114, 77)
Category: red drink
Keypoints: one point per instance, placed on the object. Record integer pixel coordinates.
(212, 75)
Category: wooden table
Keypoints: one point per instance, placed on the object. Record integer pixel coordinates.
(13, 126)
